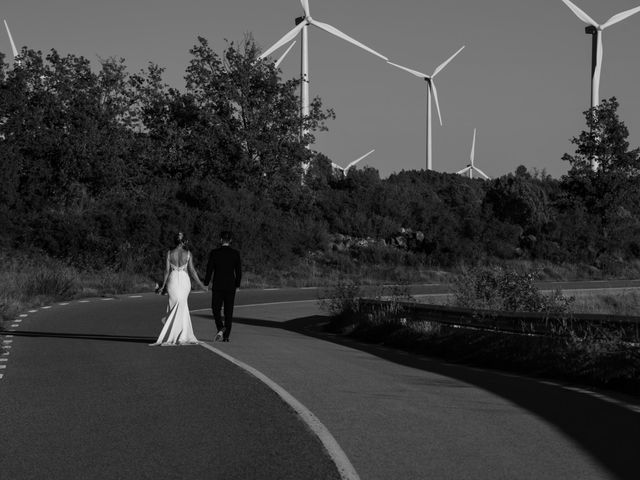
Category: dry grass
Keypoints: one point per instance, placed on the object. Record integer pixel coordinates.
(319, 274)
(35, 280)
(625, 302)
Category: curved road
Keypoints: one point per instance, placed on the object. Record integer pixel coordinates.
(82, 396)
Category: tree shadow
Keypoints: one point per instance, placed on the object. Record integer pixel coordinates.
(83, 336)
(607, 431)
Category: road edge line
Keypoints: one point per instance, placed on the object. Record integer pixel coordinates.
(265, 304)
(340, 459)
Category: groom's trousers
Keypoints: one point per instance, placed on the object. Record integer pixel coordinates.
(220, 298)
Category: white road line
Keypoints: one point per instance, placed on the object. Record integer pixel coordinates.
(4, 359)
(17, 320)
(8, 336)
(135, 296)
(3, 367)
(83, 301)
(1, 375)
(585, 392)
(600, 396)
(347, 472)
(7, 342)
(255, 305)
(22, 315)
(270, 289)
(5, 354)
(64, 303)
(33, 311)
(47, 307)
(14, 325)
(106, 299)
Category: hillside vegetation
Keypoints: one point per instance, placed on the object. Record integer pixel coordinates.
(100, 169)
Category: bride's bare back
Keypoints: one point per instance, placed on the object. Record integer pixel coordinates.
(179, 256)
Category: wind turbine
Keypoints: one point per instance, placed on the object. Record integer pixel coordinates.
(302, 24)
(13, 45)
(595, 30)
(279, 61)
(346, 169)
(431, 89)
(471, 167)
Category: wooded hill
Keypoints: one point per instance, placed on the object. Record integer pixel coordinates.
(102, 168)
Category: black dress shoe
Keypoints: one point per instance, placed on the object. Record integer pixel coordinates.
(225, 339)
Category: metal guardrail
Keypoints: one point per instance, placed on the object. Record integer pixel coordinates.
(626, 328)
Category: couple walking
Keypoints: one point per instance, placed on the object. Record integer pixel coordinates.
(223, 268)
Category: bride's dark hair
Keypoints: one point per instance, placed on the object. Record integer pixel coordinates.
(179, 238)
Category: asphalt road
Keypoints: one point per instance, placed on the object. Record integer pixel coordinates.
(87, 398)
(83, 396)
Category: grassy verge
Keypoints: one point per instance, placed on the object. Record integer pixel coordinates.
(591, 358)
(626, 302)
(605, 363)
(35, 280)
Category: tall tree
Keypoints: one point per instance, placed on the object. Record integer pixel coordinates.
(253, 115)
(609, 194)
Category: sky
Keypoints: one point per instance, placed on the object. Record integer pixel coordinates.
(523, 79)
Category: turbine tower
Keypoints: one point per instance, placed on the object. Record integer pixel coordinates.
(13, 45)
(595, 30)
(352, 164)
(431, 89)
(471, 167)
(302, 24)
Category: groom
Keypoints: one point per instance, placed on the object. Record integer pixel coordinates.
(224, 265)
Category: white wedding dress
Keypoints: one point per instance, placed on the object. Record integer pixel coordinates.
(177, 323)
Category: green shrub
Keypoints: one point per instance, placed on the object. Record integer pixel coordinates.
(497, 288)
(342, 298)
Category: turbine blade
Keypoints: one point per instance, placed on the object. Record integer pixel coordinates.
(277, 64)
(338, 167)
(435, 97)
(465, 169)
(334, 31)
(357, 160)
(580, 14)
(13, 45)
(305, 6)
(620, 16)
(481, 173)
(473, 147)
(444, 64)
(413, 72)
(287, 37)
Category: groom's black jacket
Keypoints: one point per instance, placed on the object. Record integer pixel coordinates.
(224, 265)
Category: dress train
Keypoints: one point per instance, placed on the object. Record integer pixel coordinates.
(177, 328)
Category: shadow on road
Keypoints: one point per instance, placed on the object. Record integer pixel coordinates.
(83, 336)
(608, 432)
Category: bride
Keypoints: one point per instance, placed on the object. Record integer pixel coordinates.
(177, 323)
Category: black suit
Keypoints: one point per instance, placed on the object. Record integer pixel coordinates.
(224, 266)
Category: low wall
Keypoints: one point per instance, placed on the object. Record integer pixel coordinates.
(628, 328)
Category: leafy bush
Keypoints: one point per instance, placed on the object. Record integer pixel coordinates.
(342, 298)
(496, 288)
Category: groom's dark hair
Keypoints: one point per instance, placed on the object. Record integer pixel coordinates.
(225, 236)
